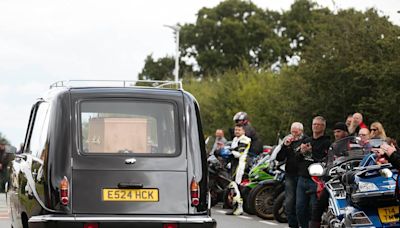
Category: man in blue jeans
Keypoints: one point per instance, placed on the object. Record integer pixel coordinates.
(313, 149)
(291, 144)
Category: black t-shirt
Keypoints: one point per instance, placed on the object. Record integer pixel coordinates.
(318, 153)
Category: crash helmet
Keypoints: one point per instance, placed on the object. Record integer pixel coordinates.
(240, 116)
(225, 152)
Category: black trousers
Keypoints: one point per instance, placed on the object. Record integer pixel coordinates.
(320, 206)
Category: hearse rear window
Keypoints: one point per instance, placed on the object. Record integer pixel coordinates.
(126, 127)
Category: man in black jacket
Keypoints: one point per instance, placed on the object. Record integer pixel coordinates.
(340, 132)
(313, 149)
(290, 146)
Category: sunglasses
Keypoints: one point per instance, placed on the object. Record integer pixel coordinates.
(374, 129)
(362, 134)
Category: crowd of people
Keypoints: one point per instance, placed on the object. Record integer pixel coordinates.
(299, 151)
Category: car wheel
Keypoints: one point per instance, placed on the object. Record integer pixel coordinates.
(24, 218)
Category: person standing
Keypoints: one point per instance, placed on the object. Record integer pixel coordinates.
(3, 164)
(220, 141)
(318, 208)
(340, 132)
(291, 144)
(313, 149)
(349, 119)
(250, 131)
(377, 131)
(356, 124)
(240, 147)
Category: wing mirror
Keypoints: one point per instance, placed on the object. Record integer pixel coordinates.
(316, 169)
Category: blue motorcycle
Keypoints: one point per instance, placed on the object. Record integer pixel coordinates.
(361, 192)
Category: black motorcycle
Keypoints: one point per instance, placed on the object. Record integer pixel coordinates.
(219, 179)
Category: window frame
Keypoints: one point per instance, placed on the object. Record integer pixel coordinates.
(79, 130)
(32, 124)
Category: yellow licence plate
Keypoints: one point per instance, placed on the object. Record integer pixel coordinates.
(137, 195)
(387, 214)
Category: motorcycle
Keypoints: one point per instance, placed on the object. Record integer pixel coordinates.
(279, 208)
(219, 179)
(259, 172)
(262, 197)
(361, 191)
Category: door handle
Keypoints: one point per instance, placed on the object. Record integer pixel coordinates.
(130, 185)
(130, 161)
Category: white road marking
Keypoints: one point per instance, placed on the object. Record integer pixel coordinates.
(269, 223)
(245, 217)
(220, 211)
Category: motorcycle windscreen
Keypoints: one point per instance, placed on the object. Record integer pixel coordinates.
(130, 161)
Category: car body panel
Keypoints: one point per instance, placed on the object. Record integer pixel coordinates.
(34, 187)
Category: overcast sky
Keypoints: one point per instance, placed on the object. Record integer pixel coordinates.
(46, 41)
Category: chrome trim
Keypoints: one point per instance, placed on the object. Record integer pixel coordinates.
(31, 182)
(372, 194)
(48, 218)
(130, 161)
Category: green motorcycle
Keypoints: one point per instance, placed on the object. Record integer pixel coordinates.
(260, 171)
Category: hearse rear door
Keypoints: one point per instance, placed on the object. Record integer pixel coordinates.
(130, 157)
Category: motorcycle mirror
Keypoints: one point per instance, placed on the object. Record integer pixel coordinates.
(376, 143)
(386, 173)
(316, 169)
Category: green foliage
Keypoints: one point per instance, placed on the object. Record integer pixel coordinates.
(161, 69)
(271, 100)
(350, 62)
(230, 33)
(4, 139)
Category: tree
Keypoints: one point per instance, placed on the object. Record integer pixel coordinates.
(350, 63)
(229, 34)
(3, 137)
(161, 69)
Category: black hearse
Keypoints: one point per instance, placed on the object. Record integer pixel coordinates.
(111, 156)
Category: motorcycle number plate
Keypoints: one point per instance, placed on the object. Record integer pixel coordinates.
(387, 214)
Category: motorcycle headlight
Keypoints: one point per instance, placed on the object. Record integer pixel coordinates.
(366, 187)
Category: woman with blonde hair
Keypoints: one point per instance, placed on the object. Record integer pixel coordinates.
(377, 131)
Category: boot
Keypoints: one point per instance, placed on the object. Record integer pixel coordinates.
(237, 209)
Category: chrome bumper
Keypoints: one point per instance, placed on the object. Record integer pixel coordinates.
(98, 218)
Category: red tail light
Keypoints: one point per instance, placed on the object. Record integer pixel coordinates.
(170, 225)
(91, 225)
(64, 191)
(194, 192)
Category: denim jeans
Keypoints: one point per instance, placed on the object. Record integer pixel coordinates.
(305, 198)
(290, 200)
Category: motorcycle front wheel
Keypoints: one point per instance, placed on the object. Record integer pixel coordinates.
(279, 209)
(261, 201)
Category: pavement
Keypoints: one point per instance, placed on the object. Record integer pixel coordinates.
(3, 207)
